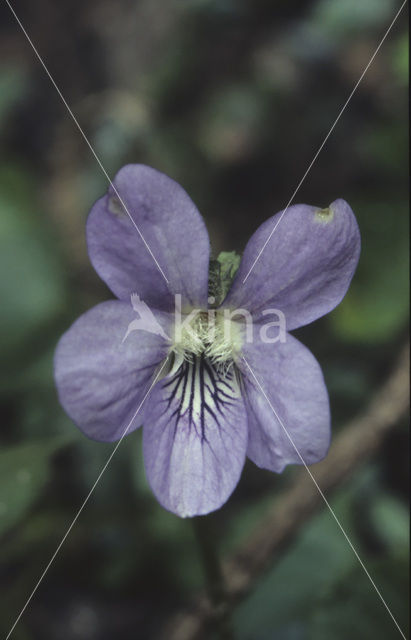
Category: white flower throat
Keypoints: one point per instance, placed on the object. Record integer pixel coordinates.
(212, 333)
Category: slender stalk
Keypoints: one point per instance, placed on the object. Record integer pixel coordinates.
(207, 545)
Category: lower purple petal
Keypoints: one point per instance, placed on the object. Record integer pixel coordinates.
(195, 438)
(292, 380)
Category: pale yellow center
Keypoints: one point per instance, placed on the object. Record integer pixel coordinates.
(212, 333)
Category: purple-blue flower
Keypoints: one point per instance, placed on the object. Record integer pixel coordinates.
(206, 412)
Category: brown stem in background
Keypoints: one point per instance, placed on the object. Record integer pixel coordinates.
(355, 444)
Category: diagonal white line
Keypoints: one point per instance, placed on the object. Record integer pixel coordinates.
(85, 138)
(325, 139)
(325, 499)
(85, 502)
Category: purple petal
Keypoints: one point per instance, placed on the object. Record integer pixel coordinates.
(101, 380)
(170, 225)
(195, 438)
(293, 383)
(305, 268)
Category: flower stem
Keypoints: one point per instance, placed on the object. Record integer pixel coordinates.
(207, 545)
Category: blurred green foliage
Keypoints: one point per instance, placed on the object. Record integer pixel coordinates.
(319, 591)
(24, 471)
(232, 99)
(32, 293)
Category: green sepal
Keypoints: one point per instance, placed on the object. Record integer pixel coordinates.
(221, 275)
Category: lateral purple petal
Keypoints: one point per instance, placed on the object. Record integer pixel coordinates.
(306, 267)
(101, 380)
(194, 438)
(164, 221)
(294, 385)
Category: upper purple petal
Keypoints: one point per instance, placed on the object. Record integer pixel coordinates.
(194, 438)
(306, 267)
(164, 221)
(101, 379)
(297, 405)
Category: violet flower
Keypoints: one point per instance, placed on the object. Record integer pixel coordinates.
(206, 412)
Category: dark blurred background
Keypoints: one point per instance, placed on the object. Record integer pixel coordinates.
(232, 99)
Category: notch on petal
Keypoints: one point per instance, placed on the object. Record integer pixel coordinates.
(324, 215)
(115, 206)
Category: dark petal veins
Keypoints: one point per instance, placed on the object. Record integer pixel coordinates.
(195, 437)
(200, 390)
